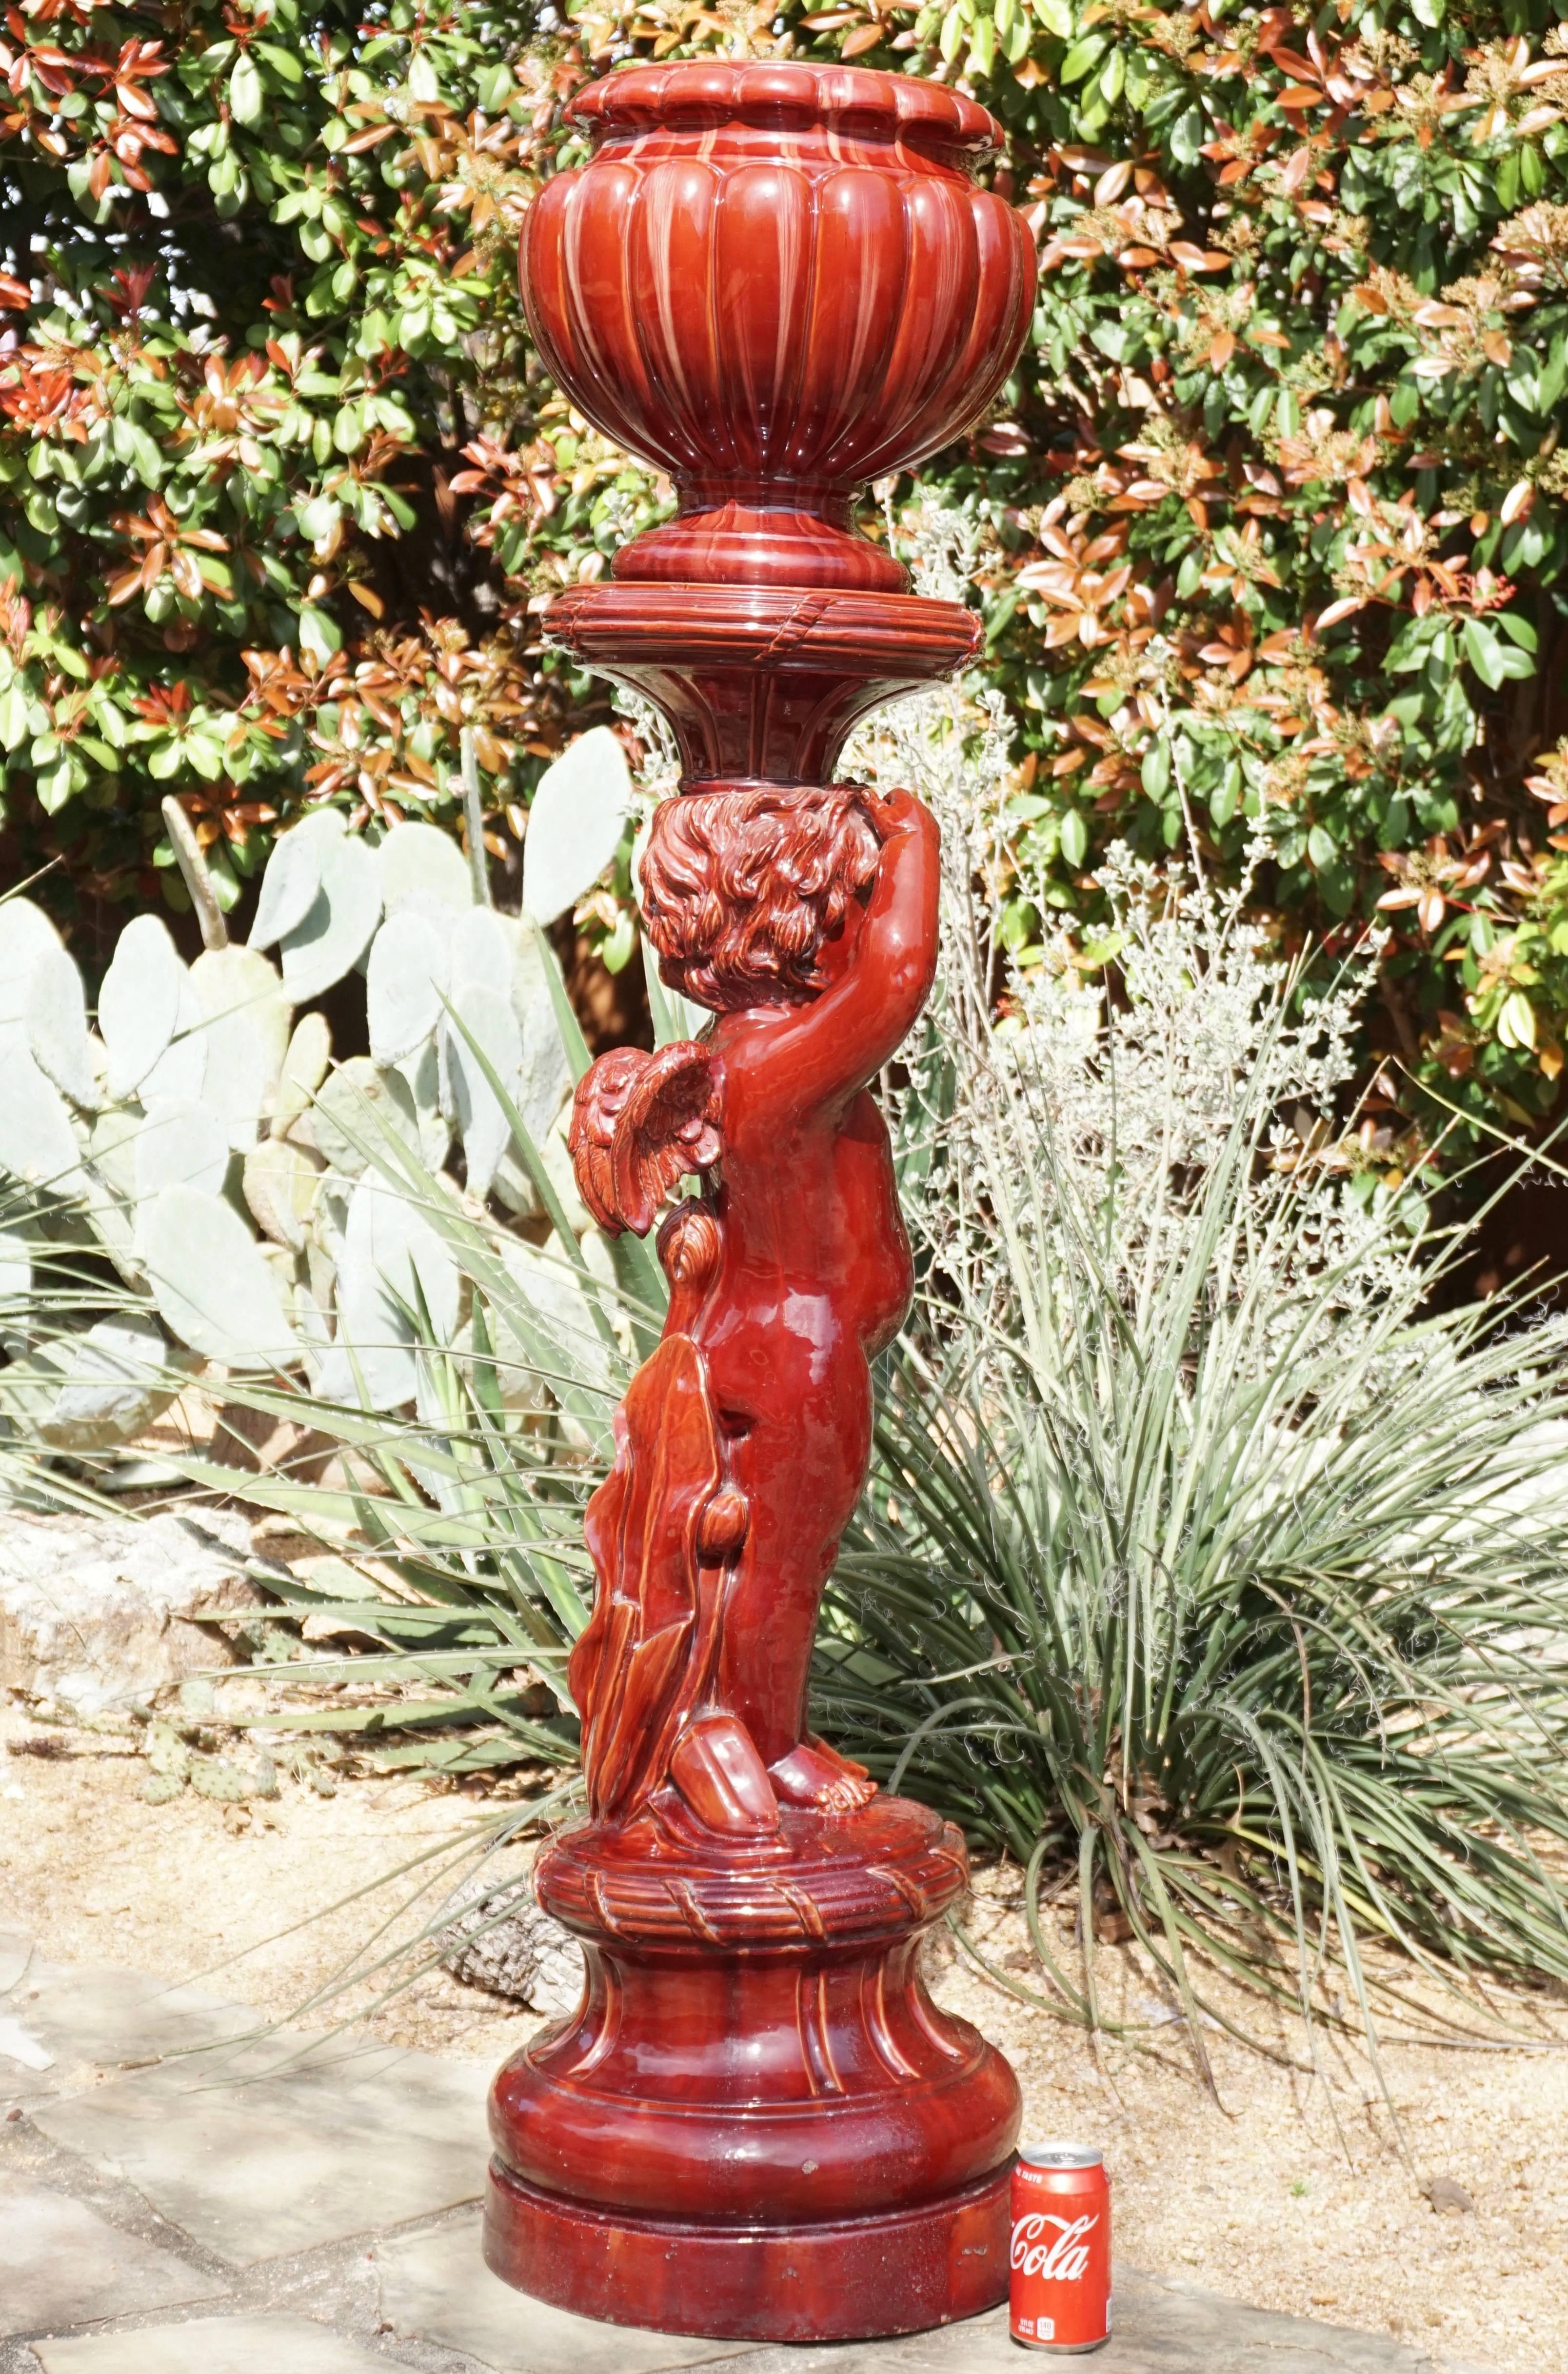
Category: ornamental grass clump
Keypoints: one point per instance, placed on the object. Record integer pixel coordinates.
(1208, 1568)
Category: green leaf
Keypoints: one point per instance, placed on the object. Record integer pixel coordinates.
(1187, 136)
(1516, 1021)
(1322, 849)
(146, 454)
(1075, 838)
(1484, 652)
(55, 785)
(247, 98)
(283, 62)
(1081, 56)
(320, 633)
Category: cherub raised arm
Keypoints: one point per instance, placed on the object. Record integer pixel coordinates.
(806, 919)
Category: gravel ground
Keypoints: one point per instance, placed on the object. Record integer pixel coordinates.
(1293, 2193)
(1290, 2192)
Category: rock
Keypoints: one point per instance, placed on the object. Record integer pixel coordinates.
(1448, 2198)
(496, 1937)
(100, 1612)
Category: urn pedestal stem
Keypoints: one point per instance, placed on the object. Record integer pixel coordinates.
(776, 282)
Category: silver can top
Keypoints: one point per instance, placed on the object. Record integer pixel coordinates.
(1060, 2156)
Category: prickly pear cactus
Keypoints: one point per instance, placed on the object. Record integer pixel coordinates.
(196, 1135)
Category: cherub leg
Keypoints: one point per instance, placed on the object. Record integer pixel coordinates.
(716, 1768)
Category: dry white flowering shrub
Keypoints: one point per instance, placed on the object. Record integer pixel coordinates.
(1120, 1069)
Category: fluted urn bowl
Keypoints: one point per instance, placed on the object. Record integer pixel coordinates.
(776, 282)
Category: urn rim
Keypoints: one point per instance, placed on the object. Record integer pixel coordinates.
(861, 101)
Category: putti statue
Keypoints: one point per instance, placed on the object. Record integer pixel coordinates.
(776, 282)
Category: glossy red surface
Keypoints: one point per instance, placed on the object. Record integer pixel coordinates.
(848, 2280)
(775, 281)
(758, 2123)
(761, 684)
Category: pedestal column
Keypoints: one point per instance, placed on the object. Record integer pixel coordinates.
(776, 282)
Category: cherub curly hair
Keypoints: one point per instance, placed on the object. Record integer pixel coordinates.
(740, 890)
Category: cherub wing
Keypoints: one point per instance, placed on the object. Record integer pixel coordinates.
(639, 1123)
(600, 1097)
(667, 1128)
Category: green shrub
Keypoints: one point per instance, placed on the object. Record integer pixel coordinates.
(1270, 518)
(259, 293)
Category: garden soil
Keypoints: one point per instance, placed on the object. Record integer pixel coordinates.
(1289, 2190)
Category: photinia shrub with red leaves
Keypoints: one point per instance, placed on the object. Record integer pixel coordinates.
(258, 294)
(1270, 524)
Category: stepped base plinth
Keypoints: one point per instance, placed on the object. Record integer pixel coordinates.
(849, 2279)
(757, 2126)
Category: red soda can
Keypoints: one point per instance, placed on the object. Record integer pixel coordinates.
(1060, 2296)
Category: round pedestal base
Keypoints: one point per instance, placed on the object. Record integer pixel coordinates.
(850, 2279)
(757, 2124)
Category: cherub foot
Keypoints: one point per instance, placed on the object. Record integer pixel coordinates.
(815, 1774)
(722, 1777)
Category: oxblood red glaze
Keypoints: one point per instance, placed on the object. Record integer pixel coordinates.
(796, 2078)
(762, 684)
(779, 281)
(775, 281)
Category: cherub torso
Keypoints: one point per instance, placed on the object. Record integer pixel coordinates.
(813, 1240)
(814, 1280)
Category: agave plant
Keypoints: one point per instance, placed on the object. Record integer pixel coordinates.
(1247, 1622)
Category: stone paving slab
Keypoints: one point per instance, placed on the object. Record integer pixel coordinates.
(61, 2263)
(16, 1953)
(230, 2345)
(71, 2020)
(1161, 2328)
(1165, 2331)
(436, 2287)
(258, 2166)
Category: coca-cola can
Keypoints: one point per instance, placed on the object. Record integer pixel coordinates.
(1060, 2296)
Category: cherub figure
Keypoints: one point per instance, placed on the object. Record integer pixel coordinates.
(807, 919)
